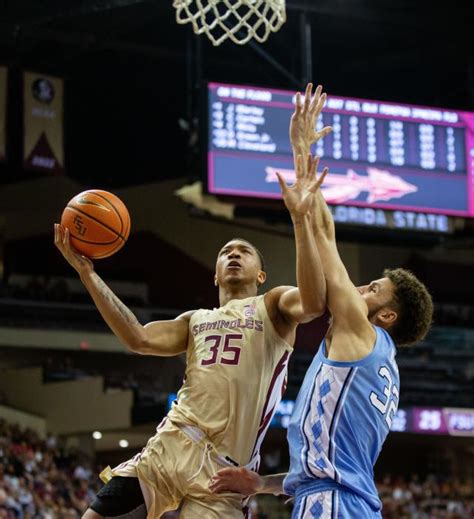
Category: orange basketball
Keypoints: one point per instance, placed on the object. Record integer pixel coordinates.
(98, 222)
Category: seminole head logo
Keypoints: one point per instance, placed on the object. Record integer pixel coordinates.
(43, 90)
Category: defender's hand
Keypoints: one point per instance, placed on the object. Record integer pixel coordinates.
(298, 198)
(303, 121)
(80, 263)
(239, 480)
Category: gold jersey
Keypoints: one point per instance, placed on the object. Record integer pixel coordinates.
(235, 377)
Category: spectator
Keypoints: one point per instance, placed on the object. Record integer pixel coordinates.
(39, 479)
(435, 497)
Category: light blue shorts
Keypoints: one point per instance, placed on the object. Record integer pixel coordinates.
(332, 504)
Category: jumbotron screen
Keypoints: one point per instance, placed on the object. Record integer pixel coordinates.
(381, 155)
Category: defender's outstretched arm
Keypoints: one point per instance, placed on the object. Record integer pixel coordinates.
(348, 309)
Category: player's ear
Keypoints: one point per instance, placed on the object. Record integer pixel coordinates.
(261, 277)
(387, 316)
(216, 283)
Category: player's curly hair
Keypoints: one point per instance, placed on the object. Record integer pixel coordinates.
(414, 307)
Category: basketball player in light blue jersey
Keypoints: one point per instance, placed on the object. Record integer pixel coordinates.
(350, 393)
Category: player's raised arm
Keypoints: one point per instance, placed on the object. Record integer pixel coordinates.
(302, 304)
(164, 338)
(348, 309)
(345, 303)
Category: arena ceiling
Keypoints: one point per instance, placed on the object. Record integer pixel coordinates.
(352, 40)
(130, 69)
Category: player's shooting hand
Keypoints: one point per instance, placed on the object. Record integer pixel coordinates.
(303, 121)
(239, 480)
(62, 241)
(298, 198)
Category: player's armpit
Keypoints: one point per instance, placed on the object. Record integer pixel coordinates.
(166, 338)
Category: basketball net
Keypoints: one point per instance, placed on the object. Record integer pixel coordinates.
(237, 20)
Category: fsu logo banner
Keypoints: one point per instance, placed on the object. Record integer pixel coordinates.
(3, 111)
(43, 146)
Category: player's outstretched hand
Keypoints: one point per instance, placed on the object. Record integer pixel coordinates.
(303, 121)
(239, 480)
(298, 198)
(61, 239)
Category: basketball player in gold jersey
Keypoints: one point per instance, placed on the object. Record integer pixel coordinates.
(237, 358)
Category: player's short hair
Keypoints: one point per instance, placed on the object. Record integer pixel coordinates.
(414, 307)
(259, 254)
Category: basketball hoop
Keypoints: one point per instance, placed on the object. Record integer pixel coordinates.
(237, 20)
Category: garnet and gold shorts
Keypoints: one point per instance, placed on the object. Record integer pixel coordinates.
(174, 469)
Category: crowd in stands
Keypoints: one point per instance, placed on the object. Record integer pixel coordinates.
(41, 479)
(429, 498)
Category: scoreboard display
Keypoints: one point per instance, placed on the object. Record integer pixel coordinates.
(447, 421)
(422, 420)
(384, 158)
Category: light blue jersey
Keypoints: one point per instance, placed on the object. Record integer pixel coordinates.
(341, 418)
